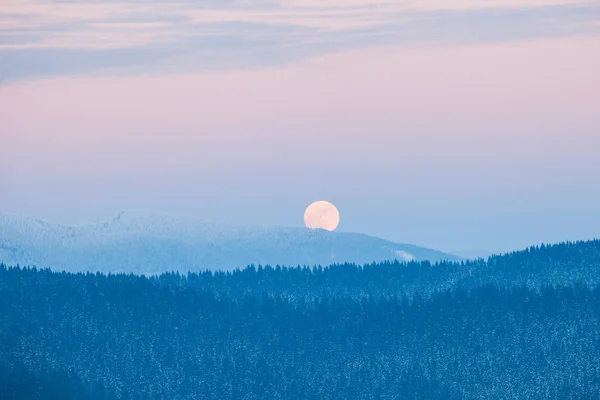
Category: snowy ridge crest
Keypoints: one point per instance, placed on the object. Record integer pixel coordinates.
(142, 242)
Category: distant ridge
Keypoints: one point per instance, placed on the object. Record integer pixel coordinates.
(142, 242)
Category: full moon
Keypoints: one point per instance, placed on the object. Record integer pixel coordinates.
(322, 215)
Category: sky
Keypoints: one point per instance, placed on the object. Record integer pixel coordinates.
(469, 126)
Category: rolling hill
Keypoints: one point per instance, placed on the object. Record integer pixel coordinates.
(152, 243)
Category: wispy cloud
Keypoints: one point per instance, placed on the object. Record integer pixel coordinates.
(188, 34)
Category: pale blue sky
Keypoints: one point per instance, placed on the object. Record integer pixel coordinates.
(458, 125)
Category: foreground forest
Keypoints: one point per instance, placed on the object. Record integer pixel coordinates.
(520, 326)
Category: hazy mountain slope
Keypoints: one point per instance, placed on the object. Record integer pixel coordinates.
(536, 268)
(150, 243)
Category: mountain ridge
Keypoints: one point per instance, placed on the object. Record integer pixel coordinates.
(142, 242)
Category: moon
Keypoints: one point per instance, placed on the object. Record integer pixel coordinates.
(322, 215)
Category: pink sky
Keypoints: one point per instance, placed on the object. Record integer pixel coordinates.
(412, 100)
(425, 144)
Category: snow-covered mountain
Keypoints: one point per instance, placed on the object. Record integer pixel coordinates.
(149, 243)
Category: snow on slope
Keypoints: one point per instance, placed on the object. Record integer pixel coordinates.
(150, 243)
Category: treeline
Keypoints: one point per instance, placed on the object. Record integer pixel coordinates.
(509, 327)
(561, 264)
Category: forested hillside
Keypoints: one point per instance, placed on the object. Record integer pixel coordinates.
(17, 382)
(523, 325)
